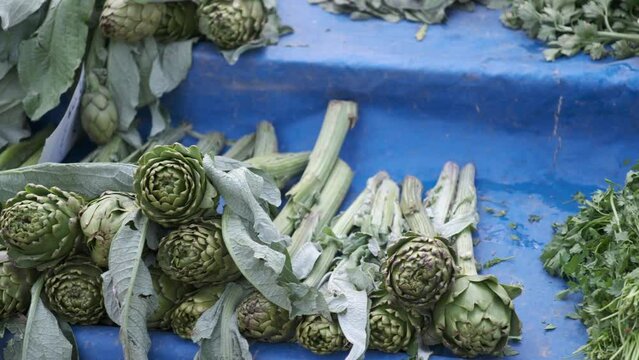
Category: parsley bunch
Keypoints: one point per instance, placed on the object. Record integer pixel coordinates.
(596, 27)
(597, 251)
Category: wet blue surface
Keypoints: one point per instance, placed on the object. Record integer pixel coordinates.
(473, 91)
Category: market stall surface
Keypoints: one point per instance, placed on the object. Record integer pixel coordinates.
(472, 91)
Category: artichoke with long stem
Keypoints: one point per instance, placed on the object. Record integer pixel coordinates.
(40, 226)
(392, 328)
(73, 290)
(186, 314)
(420, 268)
(101, 219)
(477, 316)
(171, 186)
(196, 254)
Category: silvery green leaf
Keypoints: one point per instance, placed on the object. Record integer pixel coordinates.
(43, 338)
(12, 117)
(48, 61)
(216, 331)
(13, 12)
(146, 54)
(10, 39)
(128, 291)
(271, 33)
(88, 179)
(124, 81)
(16, 325)
(160, 118)
(170, 67)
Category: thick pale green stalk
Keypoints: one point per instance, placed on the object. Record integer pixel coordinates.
(327, 205)
(440, 198)
(113, 151)
(465, 202)
(212, 143)
(14, 155)
(167, 137)
(265, 139)
(242, 149)
(281, 167)
(382, 214)
(340, 117)
(413, 209)
(33, 159)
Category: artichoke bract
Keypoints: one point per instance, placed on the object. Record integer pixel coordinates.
(171, 186)
(261, 320)
(40, 226)
(15, 287)
(73, 291)
(231, 23)
(99, 115)
(179, 22)
(186, 314)
(392, 328)
(129, 21)
(170, 292)
(321, 335)
(477, 316)
(418, 271)
(196, 254)
(101, 219)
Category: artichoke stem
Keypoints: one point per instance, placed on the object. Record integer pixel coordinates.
(211, 144)
(340, 229)
(340, 117)
(281, 167)
(465, 202)
(34, 158)
(327, 205)
(382, 214)
(440, 198)
(265, 139)
(16, 154)
(242, 149)
(414, 212)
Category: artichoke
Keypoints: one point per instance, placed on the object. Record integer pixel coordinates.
(231, 23)
(418, 271)
(196, 254)
(321, 335)
(171, 186)
(73, 290)
(185, 315)
(15, 287)
(170, 292)
(99, 115)
(392, 329)
(261, 320)
(101, 219)
(129, 21)
(477, 316)
(178, 22)
(40, 226)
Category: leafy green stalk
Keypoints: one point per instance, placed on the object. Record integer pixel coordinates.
(167, 137)
(15, 155)
(340, 117)
(211, 143)
(466, 202)
(412, 208)
(440, 198)
(33, 159)
(242, 149)
(112, 152)
(327, 205)
(281, 167)
(265, 139)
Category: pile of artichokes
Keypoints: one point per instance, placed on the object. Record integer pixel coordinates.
(405, 261)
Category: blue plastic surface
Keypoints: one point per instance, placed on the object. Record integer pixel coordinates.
(472, 91)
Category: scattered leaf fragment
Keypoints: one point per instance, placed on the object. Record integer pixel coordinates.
(534, 218)
(421, 33)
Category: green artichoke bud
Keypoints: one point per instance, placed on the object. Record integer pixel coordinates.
(178, 22)
(101, 219)
(129, 21)
(171, 186)
(186, 314)
(392, 328)
(231, 23)
(418, 271)
(196, 254)
(321, 335)
(261, 320)
(477, 316)
(15, 287)
(40, 226)
(170, 292)
(73, 290)
(99, 115)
